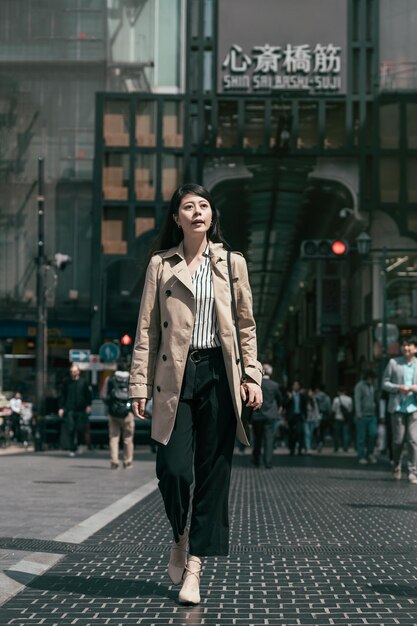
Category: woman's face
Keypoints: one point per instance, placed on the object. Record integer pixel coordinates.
(194, 215)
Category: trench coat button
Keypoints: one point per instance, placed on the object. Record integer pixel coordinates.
(164, 357)
(165, 324)
(158, 388)
(168, 292)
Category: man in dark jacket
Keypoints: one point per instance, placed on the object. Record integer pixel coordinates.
(296, 413)
(75, 406)
(264, 419)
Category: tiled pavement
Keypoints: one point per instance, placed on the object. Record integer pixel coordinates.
(315, 540)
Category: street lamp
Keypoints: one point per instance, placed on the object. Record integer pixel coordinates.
(363, 244)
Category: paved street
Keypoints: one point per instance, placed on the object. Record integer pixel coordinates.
(315, 540)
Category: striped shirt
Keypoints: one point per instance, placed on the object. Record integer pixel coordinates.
(205, 331)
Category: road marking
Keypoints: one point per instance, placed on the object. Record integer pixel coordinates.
(15, 579)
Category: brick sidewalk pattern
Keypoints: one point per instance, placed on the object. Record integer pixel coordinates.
(315, 540)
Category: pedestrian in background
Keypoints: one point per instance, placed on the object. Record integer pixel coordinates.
(265, 419)
(324, 406)
(311, 424)
(366, 418)
(15, 405)
(342, 408)
(75, 407)
(184, 356)
(121, 418)
(296, 413)
(400, 380)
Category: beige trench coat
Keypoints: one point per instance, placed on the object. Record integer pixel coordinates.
(164, 331)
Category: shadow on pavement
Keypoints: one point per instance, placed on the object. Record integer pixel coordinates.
(393, 507)
(316, 461)
(395, 590)
(99, 587)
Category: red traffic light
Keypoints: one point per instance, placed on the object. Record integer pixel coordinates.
(126, 340)
(324, 249)
(339, 247)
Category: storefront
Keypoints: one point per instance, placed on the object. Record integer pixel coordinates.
(301, 128)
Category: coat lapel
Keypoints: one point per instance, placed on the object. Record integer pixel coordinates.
(178, 266)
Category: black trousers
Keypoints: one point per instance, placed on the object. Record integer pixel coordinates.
(263, 437)
(74, 429)
(200, 449)
(295, 433)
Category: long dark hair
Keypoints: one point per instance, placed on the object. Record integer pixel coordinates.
(170, 235)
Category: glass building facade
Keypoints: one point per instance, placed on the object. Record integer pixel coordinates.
(125, 99)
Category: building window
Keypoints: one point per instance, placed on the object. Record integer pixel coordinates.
(144, 220)
(308, 125)
(389, 125)
(335, 125)
(398, 44)
(227, 128)
(146, 45)
(173, 125)
(281, 123)
(145, 130)
(116, 123)
(254, 124)
(208, 72)
(389, 177)
(115, 176)
(114, 230)
(208, 18)
(145, 177)
(171, 174)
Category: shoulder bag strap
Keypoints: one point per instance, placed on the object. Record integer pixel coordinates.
(235, 316)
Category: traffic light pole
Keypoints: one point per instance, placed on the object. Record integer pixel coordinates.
(41, 346)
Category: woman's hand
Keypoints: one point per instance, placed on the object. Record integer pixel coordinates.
(251, 393)
(138, 408)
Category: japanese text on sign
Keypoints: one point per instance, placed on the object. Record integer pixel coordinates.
(304, 67)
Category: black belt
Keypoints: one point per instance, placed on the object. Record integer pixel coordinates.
(200, 355)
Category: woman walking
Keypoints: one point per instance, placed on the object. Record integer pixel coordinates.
(186, 358)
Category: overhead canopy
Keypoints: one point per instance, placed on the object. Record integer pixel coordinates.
(260, 213)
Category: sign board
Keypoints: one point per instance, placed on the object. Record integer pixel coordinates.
(270, 46)
(79, 356)
(109, 352)
(96, 367)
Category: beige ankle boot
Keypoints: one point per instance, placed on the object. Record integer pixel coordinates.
(190, 590)
(178, 558)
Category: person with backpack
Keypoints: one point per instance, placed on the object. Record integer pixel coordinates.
(342, 409)
(121, 418)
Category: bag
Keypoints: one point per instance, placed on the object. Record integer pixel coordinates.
(345, 412)
(119, 403)
(246, 415)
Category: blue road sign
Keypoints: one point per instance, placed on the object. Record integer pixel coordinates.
(79, 356)
(109, 352)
